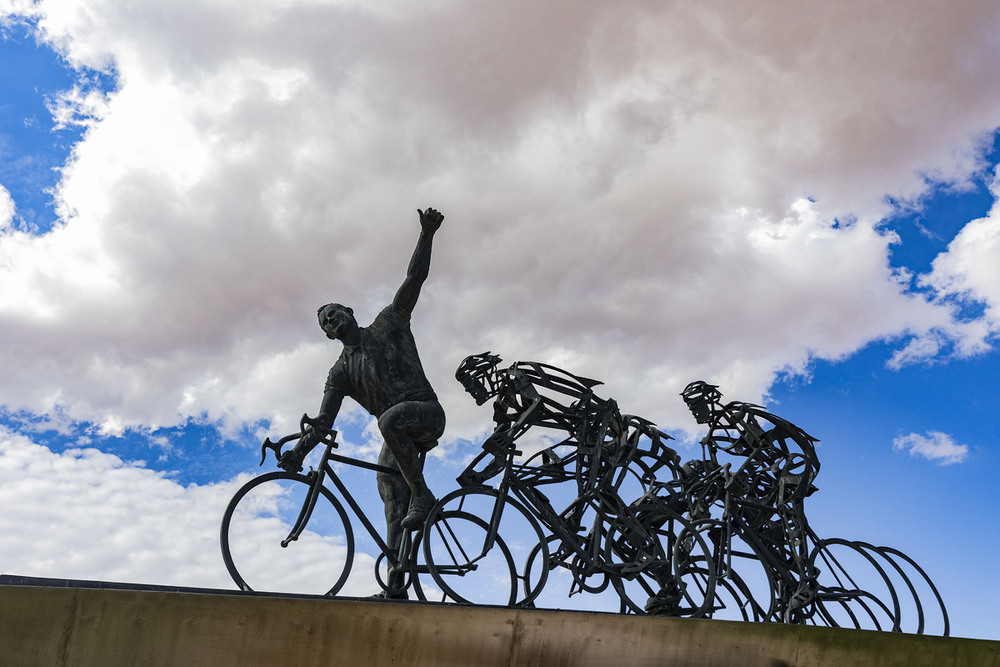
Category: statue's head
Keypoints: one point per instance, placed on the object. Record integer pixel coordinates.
(703, 400)
(336, 320)
(477, 373)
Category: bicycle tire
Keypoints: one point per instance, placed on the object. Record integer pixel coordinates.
(657, 567)
(261, 514)
(744, 582)
(457, 557)
(939, 624)
(742, 599)
(535, 563)
(863, 598)
(415, 569)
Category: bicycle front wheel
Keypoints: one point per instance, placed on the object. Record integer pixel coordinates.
(472, 563)
(261, 517)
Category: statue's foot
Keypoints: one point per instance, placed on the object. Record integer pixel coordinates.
(393, 595)
(420, 507)
(664, 603)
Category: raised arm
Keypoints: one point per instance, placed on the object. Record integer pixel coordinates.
(420, 263)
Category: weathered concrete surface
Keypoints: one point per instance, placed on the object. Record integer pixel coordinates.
(91, 626)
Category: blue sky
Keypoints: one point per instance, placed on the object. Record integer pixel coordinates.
(796, 206)
(33, 152)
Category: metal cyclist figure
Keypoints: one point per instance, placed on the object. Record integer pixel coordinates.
(777, 464)
(380, 369)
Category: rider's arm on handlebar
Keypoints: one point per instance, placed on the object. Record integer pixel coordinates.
(314, 430)
(532, 401)
(501, 447)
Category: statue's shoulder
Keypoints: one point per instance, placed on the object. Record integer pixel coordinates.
(388, 318)
(546, 376)
(779, 427)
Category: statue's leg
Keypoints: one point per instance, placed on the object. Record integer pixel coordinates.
(402, 426)
(395, 493)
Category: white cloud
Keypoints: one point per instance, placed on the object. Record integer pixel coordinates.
(646, 193)
(11, 10)
(935, 446)
(84, 514)
(78, 106)
(970, 269)
(7, 209)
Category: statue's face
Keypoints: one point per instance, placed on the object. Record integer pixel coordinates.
(701, 408)
(476, 386)
(336, 320)
(477, 375)
(702, 400)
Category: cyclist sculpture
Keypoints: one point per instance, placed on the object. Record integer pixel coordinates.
(380, 369)
(599, 461)
(724, 536)
(592, 432)
(777, 464)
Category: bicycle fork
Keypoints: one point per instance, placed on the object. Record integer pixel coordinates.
(310, 504)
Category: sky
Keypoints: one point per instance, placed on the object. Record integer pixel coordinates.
(795, 202)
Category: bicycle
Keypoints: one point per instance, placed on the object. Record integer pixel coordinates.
(578, 538)
(664, 553)
(760, 575)
(276, 510)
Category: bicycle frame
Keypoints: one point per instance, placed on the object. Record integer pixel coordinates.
(588, 549)
(325, 470)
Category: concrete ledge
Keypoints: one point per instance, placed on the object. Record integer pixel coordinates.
(46, 625)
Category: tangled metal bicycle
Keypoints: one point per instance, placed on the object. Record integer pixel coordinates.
(568, 483)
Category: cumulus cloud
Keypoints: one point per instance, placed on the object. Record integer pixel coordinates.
(83, 514)
(935, 446)
(89, 515)
(645, 193)
(7, 209)
(969, 271)
(78, 106)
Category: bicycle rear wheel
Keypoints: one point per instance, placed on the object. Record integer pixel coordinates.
(854, 588)
(470, 564)
(262, 514)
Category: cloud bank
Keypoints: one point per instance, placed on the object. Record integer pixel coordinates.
(645, 193)
(84, 514)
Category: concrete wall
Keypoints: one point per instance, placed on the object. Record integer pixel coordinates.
(91, 626)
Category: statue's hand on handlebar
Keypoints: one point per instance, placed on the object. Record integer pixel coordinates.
(311, 433)
(500, 444)
(291, 461)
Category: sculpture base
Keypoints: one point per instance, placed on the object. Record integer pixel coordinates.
(57, 622)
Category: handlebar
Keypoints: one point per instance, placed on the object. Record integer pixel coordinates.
(307, 424)
(275, 446)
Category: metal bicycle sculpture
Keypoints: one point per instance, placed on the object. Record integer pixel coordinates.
(288, 532)
(711, 536)
(722, 536)
(751, 508)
